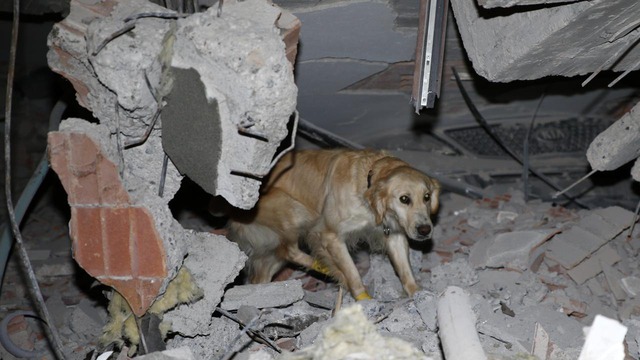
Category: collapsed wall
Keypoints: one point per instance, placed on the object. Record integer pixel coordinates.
(215, 92)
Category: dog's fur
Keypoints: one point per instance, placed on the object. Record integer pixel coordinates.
(330, 200)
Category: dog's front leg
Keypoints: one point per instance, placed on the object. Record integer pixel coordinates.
(344, 262)
(398, 250)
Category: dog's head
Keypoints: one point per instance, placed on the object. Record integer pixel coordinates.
(402, 197)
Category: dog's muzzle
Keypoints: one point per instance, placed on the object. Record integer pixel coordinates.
(424, 231)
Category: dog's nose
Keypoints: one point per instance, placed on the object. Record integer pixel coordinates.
(424, 230)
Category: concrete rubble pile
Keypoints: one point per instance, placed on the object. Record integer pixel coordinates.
(527, 297)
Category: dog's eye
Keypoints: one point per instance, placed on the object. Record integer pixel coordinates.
(427, 197)
(405, 199)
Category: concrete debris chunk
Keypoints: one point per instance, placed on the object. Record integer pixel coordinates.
(614, 278)
(210, 276)
(424, 301)
(592, 266)
(381, 280)
(631, 285)
(183, 353)
(273, 294)
(351, 336)
(618, 144)
(565, 253)
(514, 250)
(605, 340)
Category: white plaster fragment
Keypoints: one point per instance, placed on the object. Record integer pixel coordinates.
(605, 340)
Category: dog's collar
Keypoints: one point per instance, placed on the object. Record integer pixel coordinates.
(386, 230)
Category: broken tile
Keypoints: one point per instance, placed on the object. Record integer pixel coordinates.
(263, 295)
(591, 266)
(509, 250)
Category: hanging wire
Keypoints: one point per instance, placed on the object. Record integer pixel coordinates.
(22, 251)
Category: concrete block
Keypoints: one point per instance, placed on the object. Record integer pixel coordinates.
(507, 46)
(592, 266)
(273, 294)
(618, 144)
(508, 250)
(605, 340)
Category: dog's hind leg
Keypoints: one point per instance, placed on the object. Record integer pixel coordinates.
(263, 268)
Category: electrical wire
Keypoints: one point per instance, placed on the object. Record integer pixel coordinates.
(24, 258)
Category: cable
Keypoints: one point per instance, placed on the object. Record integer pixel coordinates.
(35, 289)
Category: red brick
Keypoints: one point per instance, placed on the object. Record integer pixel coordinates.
(148, 245)
(117, 228)
(58, 158)
(111, 190)
(86, 234)
(83, 159)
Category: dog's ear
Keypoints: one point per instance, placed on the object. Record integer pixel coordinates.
(435, 195)
(376, 199)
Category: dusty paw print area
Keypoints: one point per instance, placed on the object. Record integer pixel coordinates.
(139, 128)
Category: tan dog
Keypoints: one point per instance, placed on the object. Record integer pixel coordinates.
(330, 200)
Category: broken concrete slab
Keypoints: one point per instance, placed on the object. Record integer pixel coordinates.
(616, 215)
(246, 81)
(597, 225)
(513, 250)
(592, 266)
(512, 46)
(273, 294)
